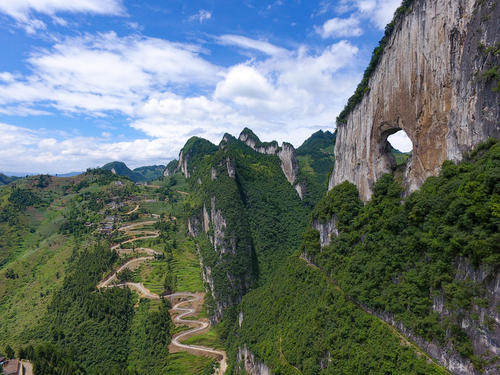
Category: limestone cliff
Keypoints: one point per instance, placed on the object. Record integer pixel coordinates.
(430, 81)
(326, 230)
(286, 154)
(249, 364)
(239, 199)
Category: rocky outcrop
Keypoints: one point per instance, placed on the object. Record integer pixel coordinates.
(289, 164)
(428, 82)
(171, 168)
(444, 355)
(300, 188)
(286, 153)
(326, 230)
(252, 141)
(250, 364)
(231, 168)
(183, 164)
(482, 321)
(225, 288)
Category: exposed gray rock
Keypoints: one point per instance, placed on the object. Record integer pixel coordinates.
(183, 164)
(193, 224)
(231, 169)
(301, 189)
(250, 364)
(213, 173)
(289, 164)
(428, 83)
(326, 230)
(268, 148)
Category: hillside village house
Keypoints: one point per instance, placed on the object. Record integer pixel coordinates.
(12, 367)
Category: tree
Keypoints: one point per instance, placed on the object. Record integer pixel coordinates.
(9, 352)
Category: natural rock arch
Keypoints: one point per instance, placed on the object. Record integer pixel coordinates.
(426, 83)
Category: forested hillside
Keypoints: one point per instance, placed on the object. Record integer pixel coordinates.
(5, 180)
(246, 216)
(141, 174)
(63, 236)
(413, 263)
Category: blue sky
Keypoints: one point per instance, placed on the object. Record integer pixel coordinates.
(85, 82)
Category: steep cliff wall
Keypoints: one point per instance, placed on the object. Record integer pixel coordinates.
(430, 82)
(246, 217)
(250, 364)
(286, 153)
(459, 254)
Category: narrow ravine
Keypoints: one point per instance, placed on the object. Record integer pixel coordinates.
(180, 298)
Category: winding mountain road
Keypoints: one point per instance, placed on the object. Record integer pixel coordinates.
(182, 298)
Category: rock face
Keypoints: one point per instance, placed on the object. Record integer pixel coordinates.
(326, 230)
(429, 82)
(212, 222)
(250, 364)
(286, 154)
(253, 142)
(289, 163)
(183, 164)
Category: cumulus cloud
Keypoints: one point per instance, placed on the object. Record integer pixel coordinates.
(340, 27)
(400, 141)
(123, 72)
(26, 150)
(378, 12)
(252, 44)
(24, 11)
(201, 16)
(146, 80)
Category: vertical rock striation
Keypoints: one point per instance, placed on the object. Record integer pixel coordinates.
(430, 83)
(286, 153)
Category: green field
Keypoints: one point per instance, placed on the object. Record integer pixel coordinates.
(188, 364)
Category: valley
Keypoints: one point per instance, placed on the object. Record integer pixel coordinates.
(370, 248)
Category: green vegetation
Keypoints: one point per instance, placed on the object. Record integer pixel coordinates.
(299, 322)
(401, 158)
(172, 166)
(150, 337)
(91, 327)
(363, 88)
(195, 150)
(254, 138)
(316, 159)
(150, 173)
(5, 180)
(262, 214)
(188, 364)
(141, 174)
(395, 256)
(121, 169)
(209, 339)
(47, 360)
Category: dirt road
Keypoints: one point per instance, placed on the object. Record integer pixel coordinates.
(196, 326)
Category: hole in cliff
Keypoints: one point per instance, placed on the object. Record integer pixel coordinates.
(401, 147)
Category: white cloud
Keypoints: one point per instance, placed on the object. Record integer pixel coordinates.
(122, 72)
(400, 141)
(23, 10)
(25, 150)
(383, 12)
(378, 12)
(248, 43)
(284, 96)
(340, 27)
(201, 16)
